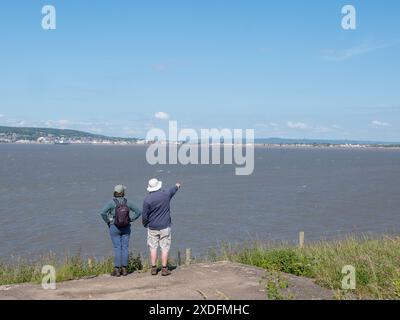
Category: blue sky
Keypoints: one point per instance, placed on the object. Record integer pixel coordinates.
(284, 68)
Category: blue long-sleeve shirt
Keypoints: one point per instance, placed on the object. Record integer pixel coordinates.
(156, 213)
(108, 212)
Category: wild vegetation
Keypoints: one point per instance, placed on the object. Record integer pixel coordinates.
(75, 267)
(376, 261)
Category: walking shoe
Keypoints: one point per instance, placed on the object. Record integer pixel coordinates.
(116, 273)
(165, 271)
(154, 271)
(124, 271)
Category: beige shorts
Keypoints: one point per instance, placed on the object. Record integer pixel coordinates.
(160, 238)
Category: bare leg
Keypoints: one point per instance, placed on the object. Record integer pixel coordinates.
(153, 257)
(164, 258)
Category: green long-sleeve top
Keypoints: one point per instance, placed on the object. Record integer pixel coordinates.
(108, 212)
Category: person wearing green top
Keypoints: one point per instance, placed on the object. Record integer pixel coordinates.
(120, 235)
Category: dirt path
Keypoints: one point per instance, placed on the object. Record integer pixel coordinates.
(220, 280)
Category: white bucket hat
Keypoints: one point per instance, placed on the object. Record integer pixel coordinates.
(119, 188)
(154, 185)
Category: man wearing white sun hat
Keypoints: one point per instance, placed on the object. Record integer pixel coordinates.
(157, 219)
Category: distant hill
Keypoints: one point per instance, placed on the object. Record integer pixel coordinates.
(32, 133)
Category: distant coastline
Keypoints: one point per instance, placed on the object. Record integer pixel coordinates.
(256, 145)
(32, 135)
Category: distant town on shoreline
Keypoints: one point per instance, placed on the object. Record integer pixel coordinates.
(33, 135)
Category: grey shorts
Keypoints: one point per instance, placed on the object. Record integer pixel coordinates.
(160, 238)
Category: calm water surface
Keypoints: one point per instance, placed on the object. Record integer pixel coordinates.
(50, 197)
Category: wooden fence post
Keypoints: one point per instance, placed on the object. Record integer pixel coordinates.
(301, 239)
(179, 258)
(188, 258)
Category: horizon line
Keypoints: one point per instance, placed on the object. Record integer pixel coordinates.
(320, 140)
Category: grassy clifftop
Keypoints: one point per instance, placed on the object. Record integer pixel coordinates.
(376, 262)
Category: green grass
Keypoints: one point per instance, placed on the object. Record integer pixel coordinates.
(376, 261)
(70, 268)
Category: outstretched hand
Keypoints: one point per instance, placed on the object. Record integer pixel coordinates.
(178, 185)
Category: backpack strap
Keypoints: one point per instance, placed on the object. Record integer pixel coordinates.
(116, 202)
(125, 202)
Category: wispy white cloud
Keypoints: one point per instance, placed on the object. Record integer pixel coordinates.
(379, 124)
(161, 115)
(267, 125)
(97, 126)
(297, 125)
(89, 126)
(341, 55)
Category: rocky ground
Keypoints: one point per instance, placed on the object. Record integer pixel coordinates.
(220, 280)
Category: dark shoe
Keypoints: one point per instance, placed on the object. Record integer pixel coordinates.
(154, 271)
(116, 273)
(124, 271)
(165, 271)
